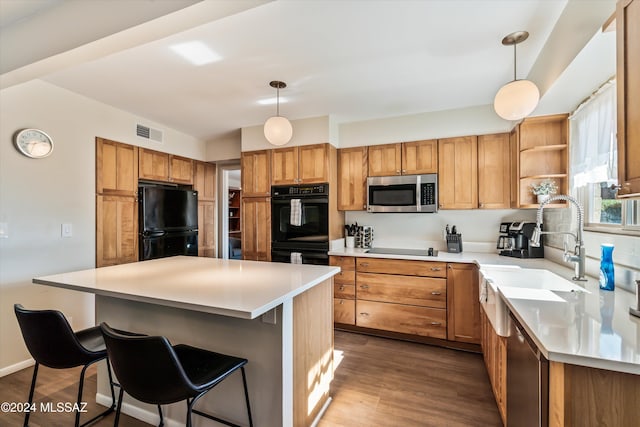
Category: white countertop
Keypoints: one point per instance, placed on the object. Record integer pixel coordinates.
(591, 329)
(243, 289)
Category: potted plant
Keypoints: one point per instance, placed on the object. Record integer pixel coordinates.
(544, 189)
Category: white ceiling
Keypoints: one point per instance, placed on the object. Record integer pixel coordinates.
(353, 60)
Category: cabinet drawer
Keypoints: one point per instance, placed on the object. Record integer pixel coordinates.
(406, 319)
(344, 291)
(345, 277)
(422, 291)
(344, 262)
(344, 311)
(400, 266)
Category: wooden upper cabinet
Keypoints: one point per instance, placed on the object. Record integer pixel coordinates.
(420, 157)
(204, 180)
(305, 164)
(116, 168)
(407, 158)
(256, 173)
(628, 81)
(463, 305)
(385, 160)
(116, 230)
(352, 179)
(458, 173)
(494, 172)
(157, 166)
(180, 169)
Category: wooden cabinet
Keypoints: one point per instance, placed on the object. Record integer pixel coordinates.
(256, 228)
(116, 203)
(541, 152)
(116, 230)
(402, 296)
(235, 215)
(352, 179)
(458, 173)
(628, 87)
(494, 172)
(344, 290)
(407, 158)
(256, 173)
(463, 303)
(116, 168)
(206, 229)
(204, 180)
(304, 164)
(157, 166)
(494, 352)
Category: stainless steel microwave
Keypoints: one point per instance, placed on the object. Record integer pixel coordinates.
(403, 193)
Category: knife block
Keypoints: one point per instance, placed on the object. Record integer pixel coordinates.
(454, 243)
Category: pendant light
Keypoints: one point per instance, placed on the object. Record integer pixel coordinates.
(518, 98)
(277, 129)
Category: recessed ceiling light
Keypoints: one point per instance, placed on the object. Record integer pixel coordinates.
(196, 52)
(272, 101)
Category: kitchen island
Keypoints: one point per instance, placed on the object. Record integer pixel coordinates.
(278, 316)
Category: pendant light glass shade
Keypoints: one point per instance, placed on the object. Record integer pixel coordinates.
(516, 99)
(278, 129)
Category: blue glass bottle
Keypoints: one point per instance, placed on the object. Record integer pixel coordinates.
(607, 281)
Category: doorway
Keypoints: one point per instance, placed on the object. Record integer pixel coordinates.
(230, 226)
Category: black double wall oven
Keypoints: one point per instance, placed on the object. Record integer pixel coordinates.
(300, 224)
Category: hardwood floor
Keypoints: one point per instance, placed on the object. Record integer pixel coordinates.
(378, 383)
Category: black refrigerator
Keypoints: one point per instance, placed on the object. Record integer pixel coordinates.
(168, 222)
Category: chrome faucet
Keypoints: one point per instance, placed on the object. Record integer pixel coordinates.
(578, 255)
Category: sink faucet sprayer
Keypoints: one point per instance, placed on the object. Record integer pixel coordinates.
(578, 256)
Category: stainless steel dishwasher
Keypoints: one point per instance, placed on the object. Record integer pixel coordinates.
(527, 380)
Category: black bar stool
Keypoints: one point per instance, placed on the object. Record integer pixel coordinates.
(153, 371)
(52, 342)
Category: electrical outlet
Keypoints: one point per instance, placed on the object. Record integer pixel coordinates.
(67, 230)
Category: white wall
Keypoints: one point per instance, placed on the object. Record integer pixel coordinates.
(37, 196)
(227, 148)
(315, 130)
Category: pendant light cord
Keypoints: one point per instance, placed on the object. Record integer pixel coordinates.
(514, 61)
(278, 101)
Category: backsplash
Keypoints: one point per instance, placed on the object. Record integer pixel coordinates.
(479, 228)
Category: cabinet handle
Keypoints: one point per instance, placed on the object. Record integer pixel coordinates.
(397, 171)
(364, 314)
(364, 264)
(436, 323)
(436, 269)
(342, 287)
(436, 293)
(404, 171)
(341, 302)
(364, 286)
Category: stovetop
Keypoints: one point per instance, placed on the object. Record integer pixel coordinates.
(401, 251)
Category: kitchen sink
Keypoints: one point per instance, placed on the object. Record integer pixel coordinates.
(518, 283)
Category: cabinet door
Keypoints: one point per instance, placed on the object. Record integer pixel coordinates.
(458, 173)
(352, 179)
(344, 311)
(385, 160)
(204, 180)
(256, 173)
(494, 190)
(284, 166)
(116, 230)
(180, 170)
(206, 228)
(401, 266)
(256, 228)
(463, 304)
(313, 163)
(153, 165)
(420, 157)
(628, 81)
(412, 290)
(116, 168)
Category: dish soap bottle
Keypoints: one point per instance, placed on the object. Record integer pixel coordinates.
(607, 282)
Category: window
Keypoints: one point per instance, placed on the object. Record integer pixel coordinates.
(594, 159)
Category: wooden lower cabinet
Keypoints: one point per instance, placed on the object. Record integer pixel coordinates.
(463, 303)
(494, 351)
(256, 228)
(206, 229)
(406, 319)
(116, 230)
(410, 290)
(344, 290)
(344, 311)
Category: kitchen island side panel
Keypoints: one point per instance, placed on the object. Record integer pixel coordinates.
(259, 342)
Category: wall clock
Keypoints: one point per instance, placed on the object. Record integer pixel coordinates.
(33, 143)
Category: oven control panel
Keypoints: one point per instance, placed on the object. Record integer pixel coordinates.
(300, 190)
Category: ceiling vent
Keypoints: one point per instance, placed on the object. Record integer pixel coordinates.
(148, 133)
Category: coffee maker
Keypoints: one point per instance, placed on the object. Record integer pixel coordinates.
(515, 240)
